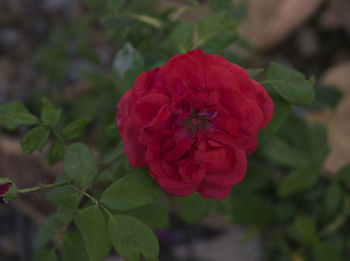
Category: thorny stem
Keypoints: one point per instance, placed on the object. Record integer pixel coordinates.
(43, 187)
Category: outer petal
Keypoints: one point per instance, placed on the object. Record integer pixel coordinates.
(235, 174)
(219, 184)
(129, 133)
(245, 110)
(184, 67)
(176, 188)
(208, 190)
(265, 102)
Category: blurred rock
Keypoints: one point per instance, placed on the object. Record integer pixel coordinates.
(307, 42)
(10, 10)
(336, 15)
(269, 22)
(338, 121)
(55, 5)
(10, 36)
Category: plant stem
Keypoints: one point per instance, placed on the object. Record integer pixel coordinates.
(152, 21)
(106, 210)
(93, 199)
(43, 186)
(57, 135)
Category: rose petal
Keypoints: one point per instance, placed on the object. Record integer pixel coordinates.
(4, 188)
(146, 108)
(233, 176)
(178, 68)
(208, 190)
(265, 102)
(134, 150)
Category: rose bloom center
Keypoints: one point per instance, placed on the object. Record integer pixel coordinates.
(196, 121)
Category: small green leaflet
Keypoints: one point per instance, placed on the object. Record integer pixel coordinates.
(131, 238)
(55, 153)
(131, 191)
(75, 129)
(180, 38)
(50, 116)
(298, 180)
(306, 230)
(35, 139)
(46, 231)
(127, 65)
(291, 85)
(74, 248)
(14, 114)
(80, 165)
(217, 31)
(93, 228)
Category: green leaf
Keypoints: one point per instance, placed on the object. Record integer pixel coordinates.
(55, 194)
(156, 216)
(295, 132)
(240, 11)
(46, 231)
(80, 165)
(258, 177)
(74, 248)
(193, 207)
(217, 31)
(14, 114)
(131, 238)
(180, 38)
(67, 207)
(45, 255)
(333, 198)
(278, 150)
(318, 143)
(55, 153)
(127, 65)
(326, 97)
(220, 5)
(290, 84)
(344, 174)
(255, 72)
(93, 228)
(280, 115)
(284, 211)
(35, 139)
(306, 230)
(251, 209)
(325, 252)
(115, 5)
(130, 192)
(75, 129)
(50, 116)
(298, 180)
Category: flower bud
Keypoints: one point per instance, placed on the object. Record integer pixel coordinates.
(8, 190)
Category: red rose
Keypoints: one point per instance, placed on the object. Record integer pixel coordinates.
(192, 122)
